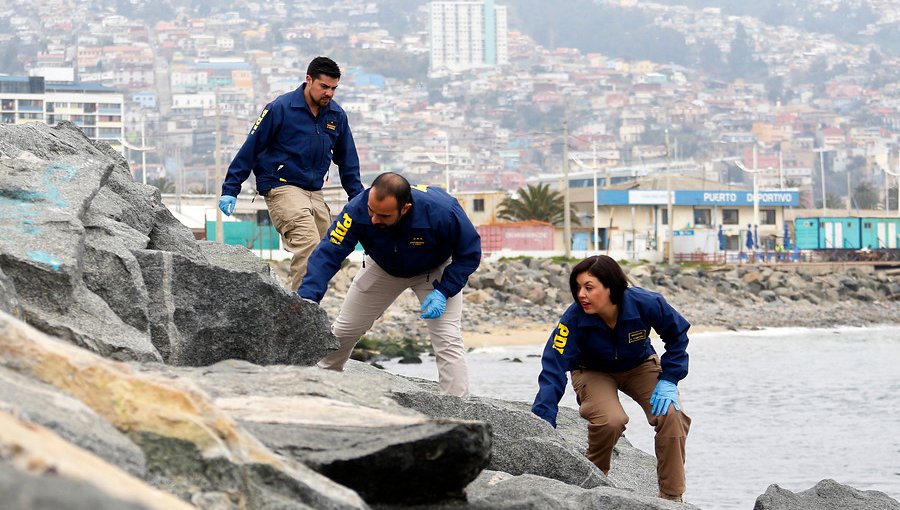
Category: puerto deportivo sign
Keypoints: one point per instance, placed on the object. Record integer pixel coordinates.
(697, 197)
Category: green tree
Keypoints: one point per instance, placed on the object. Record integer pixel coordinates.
(865, 196)
(536, 203)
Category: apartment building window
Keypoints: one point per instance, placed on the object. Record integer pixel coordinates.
(7, 104)
(730, 217)
(767, 216)
(702, 216)
(107, 133)
(478, 205)
(665, 216)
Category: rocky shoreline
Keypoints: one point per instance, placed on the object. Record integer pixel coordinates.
(141, 369)
(509, 292)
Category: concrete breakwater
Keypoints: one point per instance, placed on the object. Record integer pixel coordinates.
(535, 291)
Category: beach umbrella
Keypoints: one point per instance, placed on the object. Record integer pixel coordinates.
(749, 242)
(756, 236)
(721, 239)
(787, 238)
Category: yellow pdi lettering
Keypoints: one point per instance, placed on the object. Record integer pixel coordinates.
(340, 229)
(421, 187)
(259, 120)
(561, 338)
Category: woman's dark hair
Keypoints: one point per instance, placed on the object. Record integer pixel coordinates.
(323, 65)
(606, 270)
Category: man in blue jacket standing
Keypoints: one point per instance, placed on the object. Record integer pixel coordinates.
(415, 238)
(290, 149)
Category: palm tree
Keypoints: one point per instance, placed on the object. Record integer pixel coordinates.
(536, 203)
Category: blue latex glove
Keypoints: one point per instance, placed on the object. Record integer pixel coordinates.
(664, 394)
(434, 305)
(227, 203)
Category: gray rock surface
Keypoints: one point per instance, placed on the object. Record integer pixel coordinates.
(24, 491)
(495, 490)
(69, 418)
(352, 433)
(88, 255)
(825, 495)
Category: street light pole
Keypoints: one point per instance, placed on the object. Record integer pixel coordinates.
(670, 251)
(567, 222)
(822, 176)
(594, 215)
(220, 228)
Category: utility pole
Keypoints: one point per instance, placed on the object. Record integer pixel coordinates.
(849, 192)
(567, 223)
(143, 154)
(447, 163)
(822, 175)
(670, 251)
(220, 234)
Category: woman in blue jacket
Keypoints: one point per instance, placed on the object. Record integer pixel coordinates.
(603, 339)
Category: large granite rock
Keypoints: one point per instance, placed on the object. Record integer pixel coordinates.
(88, 255)
(350, 431)
(37, 466)
(25, 491)
(36, 402)
(192, 448)
(495, 490)
(523, 443)
(825, 495)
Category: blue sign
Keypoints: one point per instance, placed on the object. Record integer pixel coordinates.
(684, 233)
(733, 198)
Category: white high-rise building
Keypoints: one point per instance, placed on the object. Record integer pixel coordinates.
(95, 109)
(467, 34)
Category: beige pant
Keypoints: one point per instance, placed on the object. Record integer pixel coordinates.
(598, 397)
(302, 218)
(371, 292)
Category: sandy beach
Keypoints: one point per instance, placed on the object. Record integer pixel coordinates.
(533, 333)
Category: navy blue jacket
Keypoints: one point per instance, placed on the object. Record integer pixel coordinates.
(288, 145)
(584, 341)
(433, 230)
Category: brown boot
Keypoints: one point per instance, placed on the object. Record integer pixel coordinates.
(671, 497)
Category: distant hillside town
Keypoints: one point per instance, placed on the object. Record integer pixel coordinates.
(772, 124)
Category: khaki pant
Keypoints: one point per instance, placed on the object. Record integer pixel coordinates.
(598, 398)
(371, 292)
(302, 218)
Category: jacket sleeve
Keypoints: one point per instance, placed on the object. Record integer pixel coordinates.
(466, 252)
(672, 328)
(261, 134)
(559, 355)
(326, 259)
(347, 160)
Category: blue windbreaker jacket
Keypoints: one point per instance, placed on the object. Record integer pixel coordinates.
(288, 145)
(584, 341)
(433, 230)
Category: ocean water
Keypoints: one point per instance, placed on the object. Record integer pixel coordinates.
(780, 406)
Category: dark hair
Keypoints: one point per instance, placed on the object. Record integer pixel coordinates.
(323, 65)
(606, 270)
(394, 185)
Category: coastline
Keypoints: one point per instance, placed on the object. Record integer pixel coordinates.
(533, 333)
